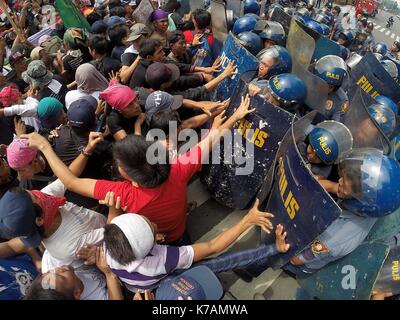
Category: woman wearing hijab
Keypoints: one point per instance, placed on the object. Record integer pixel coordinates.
(89, 82)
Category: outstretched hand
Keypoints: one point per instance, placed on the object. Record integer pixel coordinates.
(256, 217)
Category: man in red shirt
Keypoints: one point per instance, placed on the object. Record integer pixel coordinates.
(156, 191)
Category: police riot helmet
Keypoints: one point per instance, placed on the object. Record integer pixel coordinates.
(380, 48)
(300, 18)
(251, 41)
(244, 24)
(374, 181)
(384, 117)
(282, 58)
(314, 25)
(274, 31)
(329, 6)
(330, 139)
(257, 17)
(347, 36)
(390, 67)
(288, 89)
(251, 6)
(332, 69)
(386, 101)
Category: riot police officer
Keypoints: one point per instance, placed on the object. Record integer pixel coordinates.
(251, 41)
(333, 70)
(273, 60)
(368, 188)
(380, 48)
(272, 33)
(324, 145)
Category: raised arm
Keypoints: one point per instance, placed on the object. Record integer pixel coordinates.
(221, 127)
(225, 239)
(84, 187)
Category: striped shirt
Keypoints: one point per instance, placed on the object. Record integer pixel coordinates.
(146, 274)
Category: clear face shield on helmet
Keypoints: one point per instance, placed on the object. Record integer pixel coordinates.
(391, 68)
(268, 58)
(369, 182)
(353, 60)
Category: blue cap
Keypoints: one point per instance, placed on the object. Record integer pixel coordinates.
(81, 113)
(114, 20)
(99, 27)
(17, 218)
(199, 283)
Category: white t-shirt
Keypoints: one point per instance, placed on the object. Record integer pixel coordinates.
(93, 280)
(79, 226)
(74, 95)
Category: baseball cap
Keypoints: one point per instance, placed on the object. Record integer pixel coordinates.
(199, 283)
(17, 218)
(81, 113)
(16, 56)
(99, 27)
(158, 73)
(160, 101)
(114, 20)
(19, 154)
(137, 30)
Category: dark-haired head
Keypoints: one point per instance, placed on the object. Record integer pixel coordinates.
(118, 246)
(131, 157)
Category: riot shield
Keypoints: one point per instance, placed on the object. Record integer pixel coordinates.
(278, 15)
(317, 89)
(236, 6)
(386, 227)
(143, 12)
(296, 198)
(300, 45)
(219, 20)
(370, 76)
(244, 60)
(350, 278)
(366, 132)
(255, 139)
(325, 47)
(389, 277)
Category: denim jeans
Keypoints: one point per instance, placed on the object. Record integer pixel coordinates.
(256, 258)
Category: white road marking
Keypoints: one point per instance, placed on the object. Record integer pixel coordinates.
(397, 38)
(387, 32)
(382, 30)
(393, 35)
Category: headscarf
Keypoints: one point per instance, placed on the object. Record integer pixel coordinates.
(89, 79)
(49, 205)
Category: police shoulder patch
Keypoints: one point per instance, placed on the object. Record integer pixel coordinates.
(345, 107)
(329, 104)
(319, 247)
